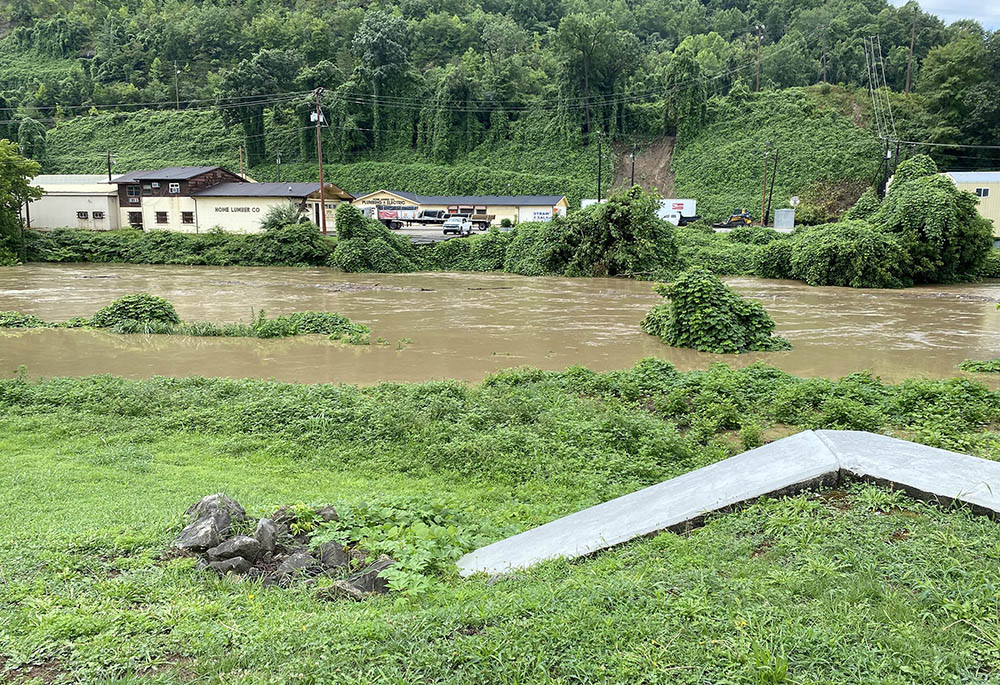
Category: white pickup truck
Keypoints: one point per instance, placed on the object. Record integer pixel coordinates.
(459, 225)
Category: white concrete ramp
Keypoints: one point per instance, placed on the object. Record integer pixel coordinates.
(802, 460)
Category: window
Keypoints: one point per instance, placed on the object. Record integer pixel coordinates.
(187, 217)
(99, 216)
(982, 192)
(174, 188)
(132, 191)
(135, 219)
(82, 215)
(161, 217)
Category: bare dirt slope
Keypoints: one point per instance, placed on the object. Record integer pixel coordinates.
(652, 166)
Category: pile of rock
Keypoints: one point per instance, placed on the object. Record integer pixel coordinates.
(273, 555)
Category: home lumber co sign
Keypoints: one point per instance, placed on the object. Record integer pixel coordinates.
(237, 209)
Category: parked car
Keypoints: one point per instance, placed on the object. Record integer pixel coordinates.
(459, 225)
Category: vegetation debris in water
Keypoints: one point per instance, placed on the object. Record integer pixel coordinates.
(703, 313)
(149, 314)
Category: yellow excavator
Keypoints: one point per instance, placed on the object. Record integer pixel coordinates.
(739, 217)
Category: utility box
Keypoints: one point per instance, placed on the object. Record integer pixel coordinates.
(784, 219)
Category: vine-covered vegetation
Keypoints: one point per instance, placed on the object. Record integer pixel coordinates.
(121, 458)
(149, 314)
(292, 245)
(703, 313)
(487, 97)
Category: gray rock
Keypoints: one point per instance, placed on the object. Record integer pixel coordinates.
(327, 514)
(341, 589)
(211, 504)
(267, 535)
(198, 536)
(298, 563)
(237, 565)
(368, 580)
(240, 546)
(332, 555)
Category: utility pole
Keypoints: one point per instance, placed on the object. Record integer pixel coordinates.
(760, 29)
(909, 60)
(241, 163)
(763, 188)
(109, 166)
(598, 167)
(318, 118)
(632, 183)
(277, 161)
(770, 192)
(177, 95)
(826, 50)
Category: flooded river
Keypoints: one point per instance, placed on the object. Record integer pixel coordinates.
(468, 325)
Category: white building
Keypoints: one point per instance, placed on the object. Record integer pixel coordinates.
(74, 201)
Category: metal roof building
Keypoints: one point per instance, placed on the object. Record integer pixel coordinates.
(986, 186)
(515, 208)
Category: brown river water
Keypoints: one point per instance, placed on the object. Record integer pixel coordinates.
(467, 325)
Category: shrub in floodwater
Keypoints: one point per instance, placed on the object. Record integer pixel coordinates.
(19, 320)
(364, 244)
(849, 253)
(981, 365)
(141, 307)
(306, 323)
(703, 313)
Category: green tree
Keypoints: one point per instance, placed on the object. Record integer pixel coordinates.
(16, 173)
(380, 46)
(583, 38)
(247, 89)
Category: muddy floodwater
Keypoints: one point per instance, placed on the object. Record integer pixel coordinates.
(464, 325)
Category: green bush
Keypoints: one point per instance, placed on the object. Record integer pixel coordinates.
(991, 265)
(773, 260)
(938, 226)
(539, 249)
(981, 366)
(866, 206)
(19, 320)
(850, 253)
(703, 313)
(621, 237)
(292, 245)
(715, 252)
(753, 235)
(141, 308)
(366, 245)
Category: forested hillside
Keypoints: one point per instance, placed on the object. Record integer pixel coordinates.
(494, 95)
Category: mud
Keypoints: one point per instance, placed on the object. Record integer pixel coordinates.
(466, 326)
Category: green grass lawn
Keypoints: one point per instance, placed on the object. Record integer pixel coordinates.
(859, 585)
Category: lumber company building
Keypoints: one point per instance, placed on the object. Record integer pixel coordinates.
(188, 199)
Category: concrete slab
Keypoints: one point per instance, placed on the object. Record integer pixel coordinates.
(793, 463)
(922, 471)
(803, 460)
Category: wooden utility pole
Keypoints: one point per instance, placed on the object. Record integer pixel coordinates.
(277, 162)
(177, 96)
(826, 50)
(763, 188)
(909, 60)
(770, 192)
(632, 182)
(241, 163)
(318, 117)
(109, 166)
(760, 29)
(598, 167)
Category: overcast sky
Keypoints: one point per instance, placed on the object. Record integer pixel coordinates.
(987, 12)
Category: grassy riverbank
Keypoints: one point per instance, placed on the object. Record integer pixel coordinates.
(841, 587)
